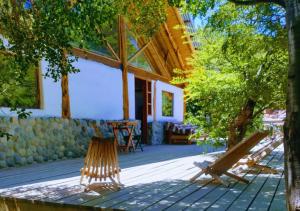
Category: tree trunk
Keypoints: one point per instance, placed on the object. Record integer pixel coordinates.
(238, 128)
(66, 113)
(292, 124)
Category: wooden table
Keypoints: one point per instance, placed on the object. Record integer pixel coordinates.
(101, 161)
(127, 126)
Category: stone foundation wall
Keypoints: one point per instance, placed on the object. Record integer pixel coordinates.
(157, 133)
(37, 140)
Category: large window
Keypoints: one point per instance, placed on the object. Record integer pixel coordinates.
(109, 46)
(106, 45)
(18, 93)
(167, 103)
(139, 61)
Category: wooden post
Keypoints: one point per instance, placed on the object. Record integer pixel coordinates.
(154, 101)
(124, 66)
(65, 110)
(184, 104)
(66, 113)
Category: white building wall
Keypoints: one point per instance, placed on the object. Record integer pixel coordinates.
(131, 94)
(177, 105)
(96, 92)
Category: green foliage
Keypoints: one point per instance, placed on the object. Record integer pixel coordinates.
(16, 92)
(234, 64)
(46, 29)
(167, 103)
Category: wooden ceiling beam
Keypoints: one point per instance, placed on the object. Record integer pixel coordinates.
(155, 58)
(96, 57)
(165, 44)
(175, 47)
(142, 74)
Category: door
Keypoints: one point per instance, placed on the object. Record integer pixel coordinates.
(141, 107)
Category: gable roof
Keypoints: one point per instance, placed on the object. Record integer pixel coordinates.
(168, 49)
(171, 46)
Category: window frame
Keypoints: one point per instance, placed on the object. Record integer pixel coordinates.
(39, 93)
(162, 103)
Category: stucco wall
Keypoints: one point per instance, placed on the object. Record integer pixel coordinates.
(96, 91)
(131, 94)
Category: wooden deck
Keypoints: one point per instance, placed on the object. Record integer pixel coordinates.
(156, 179)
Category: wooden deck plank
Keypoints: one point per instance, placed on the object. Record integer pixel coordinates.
(236, 190)
(178, 172)
(264, 197)
(153, 180)
(211, 198)
(137, 171)
(32, 188)
(135, 158)
(245, 199)
(279, 199)
(164, 191)
(34, 177)
(49, 166)
(205, 198)
(104, 195)
(168, 201)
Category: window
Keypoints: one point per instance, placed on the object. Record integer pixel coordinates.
(132, 47)
(167, 103)
(106, 46)
(24, 94)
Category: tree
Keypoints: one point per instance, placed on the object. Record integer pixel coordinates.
(238, 73)
(32, 30)
(46, 29)
(292, 123)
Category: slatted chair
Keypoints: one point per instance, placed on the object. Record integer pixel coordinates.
(252, 160)
(229, 158)
(101, 162)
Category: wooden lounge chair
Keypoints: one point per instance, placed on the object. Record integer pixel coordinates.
(231, 157)
(253, 159)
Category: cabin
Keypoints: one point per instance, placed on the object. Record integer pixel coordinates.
(125, 79)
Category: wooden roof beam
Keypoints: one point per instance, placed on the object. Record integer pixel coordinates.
(156, 60)
(175, 47)
(164, 44)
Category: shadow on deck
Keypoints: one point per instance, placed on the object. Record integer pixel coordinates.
(156, 179)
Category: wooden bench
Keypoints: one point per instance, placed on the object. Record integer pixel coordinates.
(179, 133)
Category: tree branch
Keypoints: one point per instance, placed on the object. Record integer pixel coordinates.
(253, 2)
(7, 53)
(261, 109)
